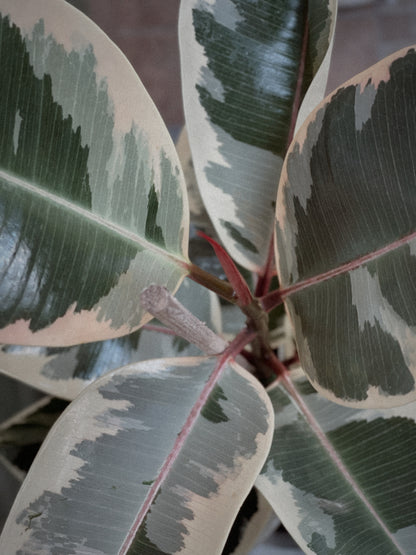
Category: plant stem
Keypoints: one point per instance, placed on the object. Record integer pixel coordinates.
(257, 317)
(219, 286)
(279, 369)
(160, 303)
(158, 329)
(265, 278)
(241, 289)
(271, 300)
(287, 383)
(236, 347)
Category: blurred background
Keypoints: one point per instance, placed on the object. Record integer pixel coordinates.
(146, 31)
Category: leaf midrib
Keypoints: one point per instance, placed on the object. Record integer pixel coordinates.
(92, 217)
(347, 267)
(329, 449)
(193, 416)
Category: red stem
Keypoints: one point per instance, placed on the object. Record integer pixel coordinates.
(271, 300)
(174, 453)
(287, 383)
(232, 350)
(211, 282)
(279, 369)
(263, 283)
(244, 296)
(292, 360)
(343, 269)
(237, 345)
(159, 329)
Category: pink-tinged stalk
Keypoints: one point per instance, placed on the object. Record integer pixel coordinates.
(284, 379)
(265, 278)
(274, 298)
(211, 282)
(232, 351)
(241, 289)
(271, 300)
(158, 329)
(236, 346)
(345, 268)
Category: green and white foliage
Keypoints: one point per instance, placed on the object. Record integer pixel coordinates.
(65, 371)
(201, 460)
(346, 238)
(158, 455)
(246, 66)
(94, 203)
(342, 480)
(197, 210)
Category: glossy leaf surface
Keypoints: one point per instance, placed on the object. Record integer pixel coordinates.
(342, 480)
(198, 213)
(93, 205)
(155, 457)
(65, 371)
(346, 230)
(245, 68)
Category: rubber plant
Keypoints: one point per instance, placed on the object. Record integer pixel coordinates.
(285, 367)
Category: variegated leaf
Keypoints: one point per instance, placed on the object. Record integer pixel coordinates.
(342, 480)
(92, 201)
(346, 228)
(245, 68)
(198, 213)
(255, 522)
(65, 371)
(154, 457)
